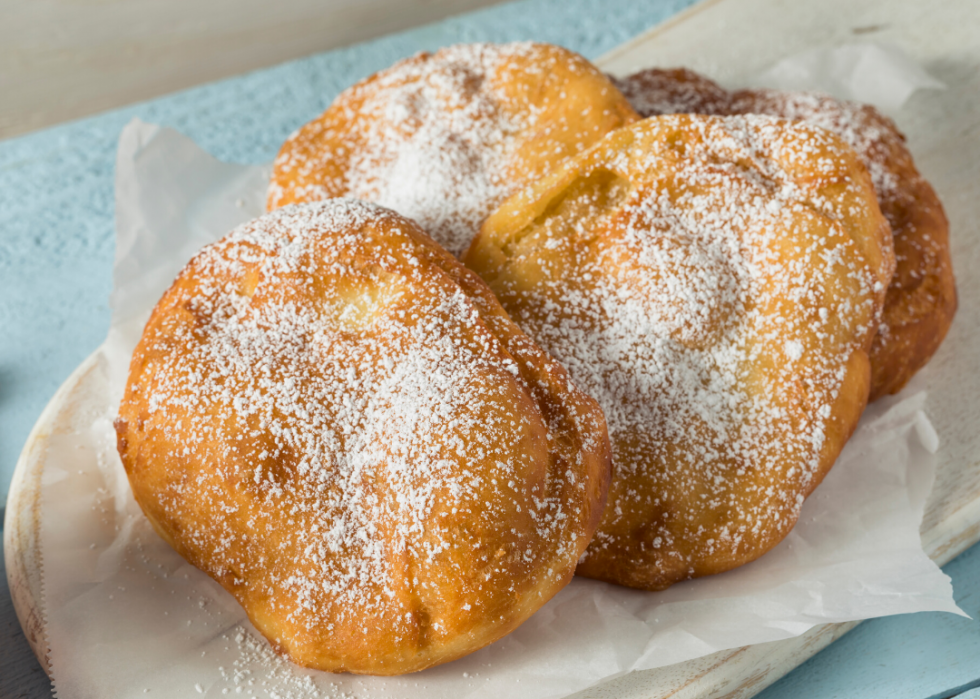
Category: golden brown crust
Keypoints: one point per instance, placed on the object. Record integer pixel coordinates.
(444, 138)
(659, 91)
(922, 298)
(715, 284)
(336, 421)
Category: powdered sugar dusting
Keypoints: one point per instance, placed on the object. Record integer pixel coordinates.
(445, 138)
(711, 309)
(278, 679)
(872, 135)
(659, 91)
(452, 167)
(434, 142)
(358, 456)
(922, 295)
(680, 91)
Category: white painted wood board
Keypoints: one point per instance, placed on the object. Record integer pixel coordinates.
(730, 40)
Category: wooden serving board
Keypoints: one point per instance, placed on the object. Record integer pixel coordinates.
(730, 40)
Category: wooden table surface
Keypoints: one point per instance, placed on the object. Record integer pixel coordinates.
(55, 247)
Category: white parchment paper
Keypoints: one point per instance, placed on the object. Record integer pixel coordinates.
(878, 74)
(127, 617)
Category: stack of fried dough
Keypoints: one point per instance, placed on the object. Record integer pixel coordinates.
(509, 319)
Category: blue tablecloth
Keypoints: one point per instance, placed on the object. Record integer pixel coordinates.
(57, 244)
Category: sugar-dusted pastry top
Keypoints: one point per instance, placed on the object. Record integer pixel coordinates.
(715, 283)
(922, 299)
(336, 421)
(444, 138)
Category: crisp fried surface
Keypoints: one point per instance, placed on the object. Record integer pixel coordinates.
(659, 91)
(336, 421)
(444, 138)
(715, 284)
(921, 300)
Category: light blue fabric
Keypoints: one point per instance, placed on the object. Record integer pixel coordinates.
(912, 656)
(56, 250)
(56, 185)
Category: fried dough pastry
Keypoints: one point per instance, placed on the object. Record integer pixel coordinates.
(444, 138)
(715, 283)
(921, 300)
(659, 91)
(335, 420)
